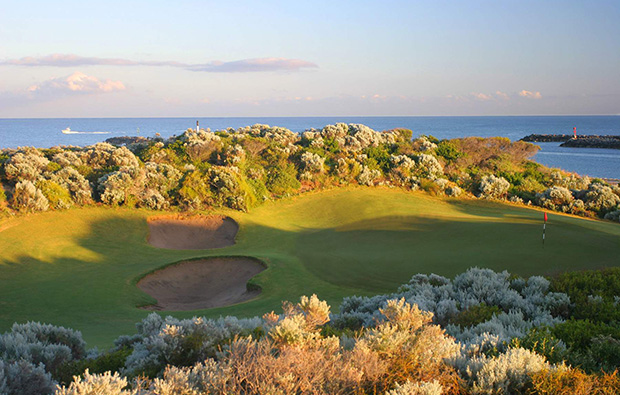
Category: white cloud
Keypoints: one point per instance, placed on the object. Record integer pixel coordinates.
(502, 95)
(530, 94)
(76, 83)
(482, 96)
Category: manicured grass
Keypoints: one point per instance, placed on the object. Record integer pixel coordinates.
(78, 268)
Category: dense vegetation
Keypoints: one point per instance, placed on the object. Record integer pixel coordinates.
(481, 333)
(242, 168)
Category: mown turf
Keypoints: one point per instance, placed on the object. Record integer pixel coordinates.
(78, 268)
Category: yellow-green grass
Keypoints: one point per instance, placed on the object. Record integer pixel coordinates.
(78, 268)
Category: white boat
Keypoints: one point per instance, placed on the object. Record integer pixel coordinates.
(69, 131)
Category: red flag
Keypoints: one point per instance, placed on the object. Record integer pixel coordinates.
(545, 217)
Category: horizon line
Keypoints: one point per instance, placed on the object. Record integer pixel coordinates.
(314, 116)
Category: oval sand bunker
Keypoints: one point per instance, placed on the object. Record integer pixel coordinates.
(196, 233)
(202, 284)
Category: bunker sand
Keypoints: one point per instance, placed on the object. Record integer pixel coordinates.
(194, 233)
(202, 284)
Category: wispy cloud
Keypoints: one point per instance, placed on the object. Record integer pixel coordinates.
(76, 83)
(238, 66)
(253, 65)
(530, 94)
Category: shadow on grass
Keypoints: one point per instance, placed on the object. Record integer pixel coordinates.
(87, 281)
(381, 253)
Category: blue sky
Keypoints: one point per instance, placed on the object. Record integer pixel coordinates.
(305, 58)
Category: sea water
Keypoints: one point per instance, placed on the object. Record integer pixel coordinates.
(595, 162)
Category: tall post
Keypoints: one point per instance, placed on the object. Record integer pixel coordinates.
(197, 127)
(544, 229)
(575, 132)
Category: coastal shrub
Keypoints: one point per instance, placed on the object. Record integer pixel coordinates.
(181, 342)
(312, 163)
(194, 192)
(57, 195)
(448, 150)
(425, 143)
(24, 378)
(95, 384)
(612, 215)
(600, 198)
(122, 186)
(230, 189)
(419, 388)
(27, 197)
(25, 164)
(75, 183)
(555, 198)
(572, 381)
(475, 315)
(492, 187)
(206, 377)
(569, 181)
(428, 166)
(413, 348)
(282, 179)
(102, 155)
(368, 176)
(109, 361)
(232, 155)
(506, 373)
(161, 177)
(67, 158)
(593, 293)
(542, 341)
(523, 304)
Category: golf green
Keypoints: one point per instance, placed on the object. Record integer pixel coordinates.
(79, 267)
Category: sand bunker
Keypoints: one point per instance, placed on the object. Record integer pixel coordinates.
(195, 233)
(202, 284)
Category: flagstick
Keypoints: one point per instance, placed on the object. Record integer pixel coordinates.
(544, 228)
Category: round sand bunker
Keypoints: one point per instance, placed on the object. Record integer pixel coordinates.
(202, 284)
(195, 233)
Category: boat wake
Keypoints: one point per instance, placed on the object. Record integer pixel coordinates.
(69, 131)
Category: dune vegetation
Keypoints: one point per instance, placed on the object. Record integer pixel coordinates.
(417, 244)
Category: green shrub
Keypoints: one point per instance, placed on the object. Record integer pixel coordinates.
(475, 315)
(578, 334)
(381, 157)
(195, 192)
(593, 293)
(448, 150)
(58, 196)
(282, 180)
(112, 361)
(542, 342)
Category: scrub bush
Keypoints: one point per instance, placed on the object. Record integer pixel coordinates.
(492, 187)
(27, 197)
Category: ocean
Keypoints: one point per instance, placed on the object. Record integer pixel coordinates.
(45, 133)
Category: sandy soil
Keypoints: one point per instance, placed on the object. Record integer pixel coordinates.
(193, 233)
(202, 284)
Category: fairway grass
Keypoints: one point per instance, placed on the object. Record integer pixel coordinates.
(79, 267)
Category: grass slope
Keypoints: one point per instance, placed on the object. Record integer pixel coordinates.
(78, 268)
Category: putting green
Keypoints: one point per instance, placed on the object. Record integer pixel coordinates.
(78, 268)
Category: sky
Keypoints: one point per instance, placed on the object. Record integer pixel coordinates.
(308, 58)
